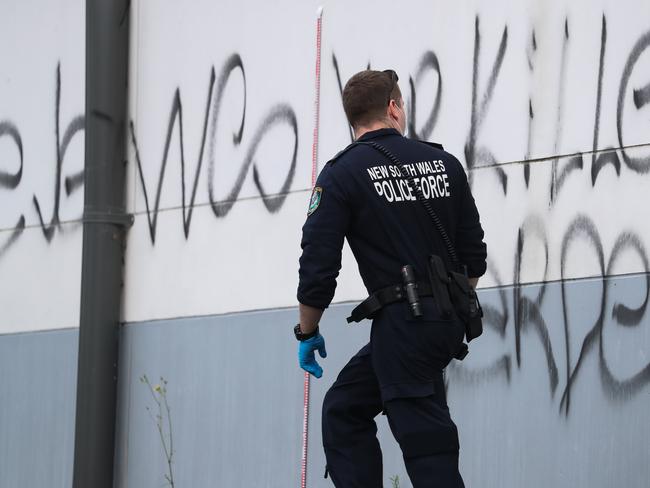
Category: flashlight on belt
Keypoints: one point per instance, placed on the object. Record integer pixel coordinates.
(411, 288)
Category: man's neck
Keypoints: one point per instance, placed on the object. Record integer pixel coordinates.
(369, 128)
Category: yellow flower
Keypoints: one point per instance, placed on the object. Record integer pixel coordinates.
(156, 388)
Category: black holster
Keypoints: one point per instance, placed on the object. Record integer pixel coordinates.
(456, 295)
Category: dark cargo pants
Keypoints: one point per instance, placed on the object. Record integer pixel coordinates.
(398, 372)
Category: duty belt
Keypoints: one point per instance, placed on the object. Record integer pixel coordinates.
(383, 297)
(394, 294)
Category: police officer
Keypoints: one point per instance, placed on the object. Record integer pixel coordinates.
(362, 196)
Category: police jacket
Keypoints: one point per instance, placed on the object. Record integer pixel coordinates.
(361, 196)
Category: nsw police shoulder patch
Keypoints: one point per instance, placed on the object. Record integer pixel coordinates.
(315, 199)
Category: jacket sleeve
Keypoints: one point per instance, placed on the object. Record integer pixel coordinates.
(322, 240)
(470, 246)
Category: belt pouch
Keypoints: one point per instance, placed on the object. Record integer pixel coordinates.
(466, 304)
(440, 284)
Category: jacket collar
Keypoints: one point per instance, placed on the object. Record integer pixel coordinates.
(373, 134)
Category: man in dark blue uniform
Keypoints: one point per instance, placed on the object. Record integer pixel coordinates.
(365, 197)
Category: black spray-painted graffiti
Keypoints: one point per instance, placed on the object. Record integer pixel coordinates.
(277, 115)
(528, 315)
(11, 181)
(525, 314)
(527, 311)
(72, 182)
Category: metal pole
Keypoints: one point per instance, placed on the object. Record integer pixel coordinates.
(105, 222)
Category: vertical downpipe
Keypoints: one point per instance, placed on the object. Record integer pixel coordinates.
(104, 226)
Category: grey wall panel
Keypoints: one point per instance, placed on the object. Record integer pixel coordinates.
(555, 393)
(38, 381)
(235, 395)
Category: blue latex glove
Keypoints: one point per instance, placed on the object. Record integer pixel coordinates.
(306, 356)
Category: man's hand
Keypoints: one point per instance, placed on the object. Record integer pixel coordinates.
(306, 356)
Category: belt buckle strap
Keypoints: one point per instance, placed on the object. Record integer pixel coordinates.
(376, 302)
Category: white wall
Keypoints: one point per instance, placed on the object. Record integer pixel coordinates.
(245, 257)
(191, 259)
(561, 374)
(42, 80)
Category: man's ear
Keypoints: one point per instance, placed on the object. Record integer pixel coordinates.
(393, 109)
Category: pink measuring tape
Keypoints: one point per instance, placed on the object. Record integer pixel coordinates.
(314, 169)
